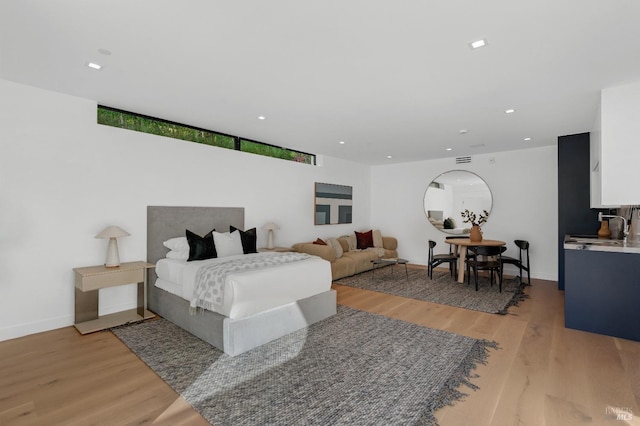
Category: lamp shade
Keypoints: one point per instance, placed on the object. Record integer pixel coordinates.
(112, 232)
(270, 226)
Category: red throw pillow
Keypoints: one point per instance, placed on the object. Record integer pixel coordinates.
(320, 242)
(364, 239)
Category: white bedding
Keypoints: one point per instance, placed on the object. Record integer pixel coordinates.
(457, 231)
(250, 292)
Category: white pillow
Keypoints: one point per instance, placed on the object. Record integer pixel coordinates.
(178, 254)
(336, 246)
(177, 243)
(228, 243)
(377, 238)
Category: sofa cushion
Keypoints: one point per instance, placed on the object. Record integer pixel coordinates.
(364, 239)
(362, 259)
(336, 246)
(344, 243)
(377, 238)
(325, 252)
(390, 243)
(351, 240)
(342, 267)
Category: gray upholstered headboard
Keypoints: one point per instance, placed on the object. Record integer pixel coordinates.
(168, 222)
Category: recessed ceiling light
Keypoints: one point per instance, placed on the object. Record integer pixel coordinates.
(94, 65)
(463, 131)
(388, 156)
(509, 111)
(527, 139)
(449, 149)
(341, 142)
(478, 43)
(262, 117)
(104, 51)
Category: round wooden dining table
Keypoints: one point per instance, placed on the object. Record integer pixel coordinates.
(463, 243)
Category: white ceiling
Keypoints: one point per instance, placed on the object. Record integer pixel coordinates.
(387, 77)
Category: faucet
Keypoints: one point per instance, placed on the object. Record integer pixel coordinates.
(625, 229)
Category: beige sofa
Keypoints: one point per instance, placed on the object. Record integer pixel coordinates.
(351, 261)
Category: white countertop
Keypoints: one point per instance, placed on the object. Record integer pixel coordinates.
(599, 244)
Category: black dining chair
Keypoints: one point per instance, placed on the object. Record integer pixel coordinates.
(485, 258)
(437, 259)
(457, 249)
(523, 254)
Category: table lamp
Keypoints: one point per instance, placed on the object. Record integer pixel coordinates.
(112, 232)
(270, 227)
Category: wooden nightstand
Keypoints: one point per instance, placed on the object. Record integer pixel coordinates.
(90, 279)
(279, 249)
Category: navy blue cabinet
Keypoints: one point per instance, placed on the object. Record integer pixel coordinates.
(602, 292)
(575, 215)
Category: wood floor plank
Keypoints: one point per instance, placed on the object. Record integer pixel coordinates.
(19, 415)
(480, 405)
(81, 380)
(541, 374)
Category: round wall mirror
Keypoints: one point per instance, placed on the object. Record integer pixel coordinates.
(451, 193)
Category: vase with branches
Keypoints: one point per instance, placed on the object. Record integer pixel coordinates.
(475, 221)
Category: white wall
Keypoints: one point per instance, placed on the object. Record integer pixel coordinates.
(63, 178)
(525, 206)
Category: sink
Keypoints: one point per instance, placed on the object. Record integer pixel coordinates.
(592, 241)
(600, 242)
(583, 236)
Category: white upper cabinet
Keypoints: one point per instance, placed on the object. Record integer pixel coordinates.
(595, 151)
(619, 147)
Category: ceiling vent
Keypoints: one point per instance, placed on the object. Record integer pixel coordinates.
(463, 160)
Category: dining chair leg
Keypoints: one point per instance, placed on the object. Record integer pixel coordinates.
(475, 274)
(521, 276)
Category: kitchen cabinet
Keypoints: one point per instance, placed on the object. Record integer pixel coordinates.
(575, 215)
(595, 151)
(619, 150)
(601, 288)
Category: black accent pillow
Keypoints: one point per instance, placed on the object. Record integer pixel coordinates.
(249, 239)
(447, 224)
(201, 248)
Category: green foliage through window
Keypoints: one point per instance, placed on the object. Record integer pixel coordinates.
(141, 123)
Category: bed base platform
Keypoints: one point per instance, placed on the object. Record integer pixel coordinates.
(235, 336)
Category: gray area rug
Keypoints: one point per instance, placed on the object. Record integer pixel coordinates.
(442, 289)
(355, 368)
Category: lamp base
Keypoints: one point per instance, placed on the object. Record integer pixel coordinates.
(270, 239)
(113, 260)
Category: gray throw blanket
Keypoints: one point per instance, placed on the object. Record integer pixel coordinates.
(210, 278)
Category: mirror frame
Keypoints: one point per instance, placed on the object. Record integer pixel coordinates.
(476, 203)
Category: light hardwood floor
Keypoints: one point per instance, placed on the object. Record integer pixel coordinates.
(542, 374)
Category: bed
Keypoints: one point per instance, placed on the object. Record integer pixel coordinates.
(436, 218)
(266, 304)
